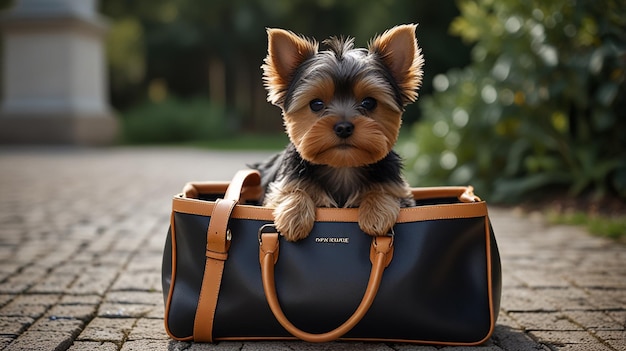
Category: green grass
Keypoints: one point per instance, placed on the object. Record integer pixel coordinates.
(610, 227)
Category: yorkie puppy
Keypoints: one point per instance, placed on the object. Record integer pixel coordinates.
(342, 109)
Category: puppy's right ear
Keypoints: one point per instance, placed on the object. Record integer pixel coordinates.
(285, 52)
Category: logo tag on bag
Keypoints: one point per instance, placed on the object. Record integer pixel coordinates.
(332, 240)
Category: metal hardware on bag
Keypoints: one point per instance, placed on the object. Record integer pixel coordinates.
(266, 229)
(229, 237)
(391, 234)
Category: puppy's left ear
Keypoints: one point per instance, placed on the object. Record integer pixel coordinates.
(398, 49)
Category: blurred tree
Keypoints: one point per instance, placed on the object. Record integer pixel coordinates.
(4, 4)
(542, 106)
(126, 60)
(215, 48)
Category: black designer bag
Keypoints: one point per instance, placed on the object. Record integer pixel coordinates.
(228, 275)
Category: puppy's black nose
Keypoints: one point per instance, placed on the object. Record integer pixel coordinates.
(344, 129)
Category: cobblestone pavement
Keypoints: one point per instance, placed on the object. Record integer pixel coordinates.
(82, 233)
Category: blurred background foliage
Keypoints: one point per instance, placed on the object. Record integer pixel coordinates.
(541, 108)
(184, 49)
(519, 97)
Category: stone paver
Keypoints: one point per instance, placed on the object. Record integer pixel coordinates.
(81, 239)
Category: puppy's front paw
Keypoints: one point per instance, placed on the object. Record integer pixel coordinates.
(294, 216)
(378, 213)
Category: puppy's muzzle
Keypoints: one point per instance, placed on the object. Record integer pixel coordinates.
(344, 129)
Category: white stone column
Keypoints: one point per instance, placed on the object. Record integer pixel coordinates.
(54, 74)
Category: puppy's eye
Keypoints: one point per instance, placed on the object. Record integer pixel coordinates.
(316, 105)
(369, 103)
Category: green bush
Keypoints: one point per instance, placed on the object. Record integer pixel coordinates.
(174, 120)
(541, 106)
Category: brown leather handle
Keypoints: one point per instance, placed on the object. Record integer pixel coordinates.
(218, 244)
(247, 178)
(463, 193)
(380, 254)
(243, 178)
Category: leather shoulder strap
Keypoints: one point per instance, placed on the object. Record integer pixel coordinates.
(218, 243)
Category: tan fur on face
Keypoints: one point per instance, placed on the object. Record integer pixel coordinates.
(313, 135)
(367, 145)
(387, 113)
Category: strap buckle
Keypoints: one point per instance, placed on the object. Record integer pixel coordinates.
(267, 228)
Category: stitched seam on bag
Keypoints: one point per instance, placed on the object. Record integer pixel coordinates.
(408, 341)
(492, 312)
(172, 276)
(464, 210)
